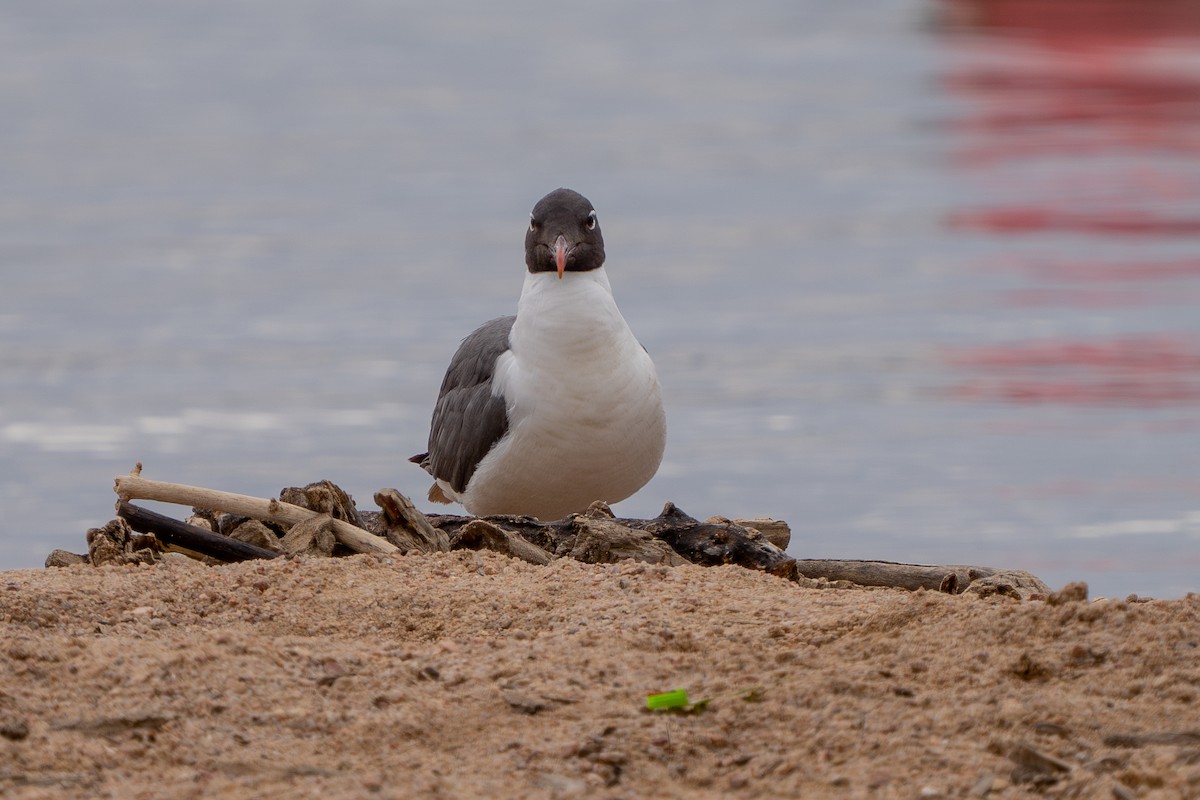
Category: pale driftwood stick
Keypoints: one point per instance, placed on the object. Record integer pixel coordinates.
(135, 487)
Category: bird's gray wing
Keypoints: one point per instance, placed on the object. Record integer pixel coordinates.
(468, 420)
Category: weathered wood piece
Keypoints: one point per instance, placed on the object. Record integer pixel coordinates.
(251, 531)
(954, 579)
(313, 537)
(776, 531)
(189, 538)
(703, 543)
(116, 543)
(606, 541)
(987, 581)
(406, 527)
(324, 497)
(479, 534)
(135, 487)
(555, 537)
(715, 543)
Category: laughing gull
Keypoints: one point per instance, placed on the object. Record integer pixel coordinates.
(545, 412)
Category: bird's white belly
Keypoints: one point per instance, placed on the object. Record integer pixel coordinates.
(586, 420)
(556, 463)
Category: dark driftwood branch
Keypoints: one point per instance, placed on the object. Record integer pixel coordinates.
(173, 533)
(714, 543)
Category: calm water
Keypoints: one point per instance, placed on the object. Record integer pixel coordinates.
(922, 279)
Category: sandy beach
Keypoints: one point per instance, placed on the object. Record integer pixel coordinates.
(470, 674)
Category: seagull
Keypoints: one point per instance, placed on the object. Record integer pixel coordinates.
(545, 412)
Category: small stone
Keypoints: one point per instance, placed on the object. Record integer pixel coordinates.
(14, 728)
(1122, 792)
(63, 558)
(525, 703)
(984, 785)
(1071, 593)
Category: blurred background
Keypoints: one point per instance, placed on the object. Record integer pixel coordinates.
(921, 277)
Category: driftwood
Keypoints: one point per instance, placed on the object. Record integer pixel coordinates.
(949, 579)
(479, 534)
(322, 512)
(180, 536)
(606, 539)
(713, 543)
(406, 527)
(719, 541)
(135, 487)
(116, 543)
(776, 531)
(313, 536)
(324, 497)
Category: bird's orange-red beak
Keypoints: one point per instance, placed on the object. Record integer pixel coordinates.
(560, 255)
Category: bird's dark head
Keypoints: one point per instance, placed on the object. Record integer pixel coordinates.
(563, 235)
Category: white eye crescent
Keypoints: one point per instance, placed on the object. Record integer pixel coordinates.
(591, 221)
(532, 222)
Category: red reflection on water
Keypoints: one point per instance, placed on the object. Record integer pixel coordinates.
(1031, 219)
(1081, 118)
(1065, 81)
(1042, 297)
(1111, 392)
(1083, 22)
(1139, 353)
(1113, 91)
(1146, 270)
(1134, 372)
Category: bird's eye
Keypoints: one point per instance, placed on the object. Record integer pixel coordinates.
(532, 223)
(591, 221)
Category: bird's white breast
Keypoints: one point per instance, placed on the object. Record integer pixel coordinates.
(585, 410)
